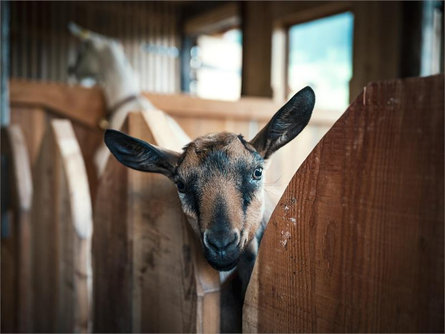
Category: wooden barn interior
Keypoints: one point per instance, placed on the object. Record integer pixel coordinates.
(355, 243)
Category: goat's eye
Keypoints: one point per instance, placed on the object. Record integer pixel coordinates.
(181, 186)
(258, 173)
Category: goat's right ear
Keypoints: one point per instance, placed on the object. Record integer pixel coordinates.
(286, 124)
(140, 155)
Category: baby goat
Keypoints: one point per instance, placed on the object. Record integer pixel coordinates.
(220, 182)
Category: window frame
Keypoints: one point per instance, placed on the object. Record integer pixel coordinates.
(280, 42)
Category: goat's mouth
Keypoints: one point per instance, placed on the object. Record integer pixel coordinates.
(222, 265)
(222, 262)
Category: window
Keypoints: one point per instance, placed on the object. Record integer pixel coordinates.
(320, 55)
(216, 66)
(432, 38)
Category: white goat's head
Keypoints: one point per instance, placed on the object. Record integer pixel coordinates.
(96, 52)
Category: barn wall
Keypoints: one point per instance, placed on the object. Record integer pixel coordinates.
(386, 39)
(42, 47)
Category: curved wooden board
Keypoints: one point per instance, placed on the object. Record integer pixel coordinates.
(356, 241)
(35, 102)
(150, 274)
(16, 252)
(61, 231)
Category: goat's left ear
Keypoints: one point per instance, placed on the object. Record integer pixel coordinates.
(140, 155)
(286, 124)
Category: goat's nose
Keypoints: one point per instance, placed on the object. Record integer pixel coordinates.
(221, 241)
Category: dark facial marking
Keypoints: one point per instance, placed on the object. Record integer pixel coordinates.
(246, 185)
(220, 216)
(190, 189)
(217, 160)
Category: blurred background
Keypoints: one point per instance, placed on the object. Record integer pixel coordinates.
(224, 50)
(254, 54)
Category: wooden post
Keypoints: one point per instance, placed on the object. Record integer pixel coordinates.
(150, 274)
(257, 48)
(61, 232)
(356, 241)
(16, 252)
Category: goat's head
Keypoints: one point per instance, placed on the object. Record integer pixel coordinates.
(94, 53)
(219, 177)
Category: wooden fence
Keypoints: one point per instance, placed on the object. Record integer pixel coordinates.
(355, 244)
(150, 274)
(16, 254)
(85, 107)
(62, 226)
(142, 257)
(356, 241)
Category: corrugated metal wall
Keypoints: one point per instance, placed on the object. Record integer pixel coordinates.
(42, 47)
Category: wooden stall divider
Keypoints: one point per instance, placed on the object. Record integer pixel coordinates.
(86, 106)
(61, 234)
(356, 241)
(35, 104)
(149, 271)
(16, 252)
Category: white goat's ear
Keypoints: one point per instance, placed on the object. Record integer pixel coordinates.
(78, 31)
(286, 124)
(140, 155)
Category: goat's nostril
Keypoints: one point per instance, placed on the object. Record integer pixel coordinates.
(235, 240)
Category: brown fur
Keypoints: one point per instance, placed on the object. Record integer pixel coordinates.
(221, 189)
(222, 184)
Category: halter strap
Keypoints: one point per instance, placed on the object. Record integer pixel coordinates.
(104, 121)
(120, 103)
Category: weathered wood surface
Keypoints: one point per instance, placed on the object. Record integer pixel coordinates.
(150, 274)
(356, 242)
(61, 231)
(34, 121)
(85, 107)
(16, 252)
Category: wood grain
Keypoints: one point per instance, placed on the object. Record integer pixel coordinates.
(150, 275)
(61, 232)
(35, 103)
(34, 120)
(356, 242)
(16, 252)
(87, 105)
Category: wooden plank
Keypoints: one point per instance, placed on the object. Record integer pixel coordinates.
(86, 105)
(61, 230)
(196, 116)
(356, 242)
(257, 40)
(150, 274)
(16, 252)
(381, 23)
(188, 106)
(34, 122)
(112, 252)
